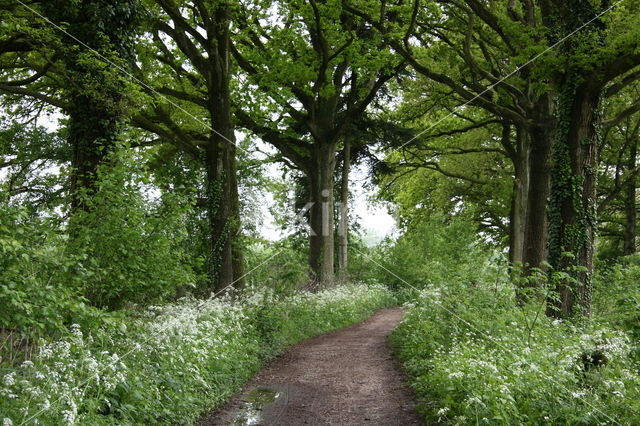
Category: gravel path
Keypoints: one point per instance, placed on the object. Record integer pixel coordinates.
(346, 377)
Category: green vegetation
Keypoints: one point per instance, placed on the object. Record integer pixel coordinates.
(171, 362)
(149, 147)
(476, 356)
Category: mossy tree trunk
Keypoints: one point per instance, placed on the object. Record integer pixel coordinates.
(572, 212)
(572, 207)
(94, 90)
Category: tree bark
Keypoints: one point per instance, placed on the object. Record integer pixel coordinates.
(536, 229)
(630, 204)
(226, 264)
(321, 243)
(573, 196)
(519, 201)
(343, 227)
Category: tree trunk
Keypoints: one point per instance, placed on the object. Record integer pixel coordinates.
(226, 264)
(92, 136)
(321, 256)
(519, 200)
(343, 227)
(572, 213)
(630, 204)
(536, 229)
(220, 262)
(535, 235)
(96, 94)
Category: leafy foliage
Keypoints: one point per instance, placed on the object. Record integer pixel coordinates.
(132, 245)
(433, 251)
(36, 275)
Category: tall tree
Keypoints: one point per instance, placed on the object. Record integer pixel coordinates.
(597, 50)
(552, 99)
(317, 69)
(74, 70)
(189, 63)
(95, 90)
(467, 49)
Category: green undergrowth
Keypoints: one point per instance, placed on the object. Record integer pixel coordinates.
(173, 362)
(475, 357)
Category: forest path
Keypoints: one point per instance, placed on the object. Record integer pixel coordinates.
(346, 377)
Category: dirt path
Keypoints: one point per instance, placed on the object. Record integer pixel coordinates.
(346, 377)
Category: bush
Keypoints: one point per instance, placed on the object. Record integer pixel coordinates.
(131, 245)
(125, 248)
(36, 289)
(174, 362)
(436, 250)
(474, 356)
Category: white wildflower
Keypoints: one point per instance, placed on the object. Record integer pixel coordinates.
(70, 414)
(442, 412)
(475, 400)
(10, 379)
(504, 389)
(7, 422)
(75, 330)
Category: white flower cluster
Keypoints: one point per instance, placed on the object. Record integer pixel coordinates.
(182, 343)
(484, 362)
(613, 344)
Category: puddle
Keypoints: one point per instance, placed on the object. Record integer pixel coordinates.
(254, 402)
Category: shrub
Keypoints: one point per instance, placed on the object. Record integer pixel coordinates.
(436, 250)
(130, 244)
(36, 290)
